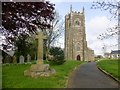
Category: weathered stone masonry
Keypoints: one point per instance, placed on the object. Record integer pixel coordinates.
(75, 38)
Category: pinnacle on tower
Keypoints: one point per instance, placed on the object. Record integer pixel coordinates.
(83, 10)
(70, 8)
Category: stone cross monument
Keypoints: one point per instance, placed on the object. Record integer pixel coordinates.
(40, 37)
(39, 69)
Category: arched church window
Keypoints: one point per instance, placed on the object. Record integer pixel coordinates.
(78, 48)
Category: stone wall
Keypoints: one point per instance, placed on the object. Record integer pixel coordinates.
(90, 55)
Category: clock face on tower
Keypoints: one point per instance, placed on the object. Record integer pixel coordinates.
(77, 22)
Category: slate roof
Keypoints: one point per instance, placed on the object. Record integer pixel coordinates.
(115, 52)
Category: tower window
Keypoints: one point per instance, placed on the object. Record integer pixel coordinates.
(77, 22)
(78, 48)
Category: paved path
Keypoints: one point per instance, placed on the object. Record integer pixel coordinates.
(89, 76)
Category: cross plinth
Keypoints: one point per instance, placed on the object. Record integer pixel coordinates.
(39, 69)
(40, 37)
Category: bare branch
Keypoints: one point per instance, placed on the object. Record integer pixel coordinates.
(108, 5)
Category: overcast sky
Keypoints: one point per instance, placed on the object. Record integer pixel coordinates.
(96, 22)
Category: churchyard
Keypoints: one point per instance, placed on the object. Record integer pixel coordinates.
(51, 66)
(13, 76)
(37, 74)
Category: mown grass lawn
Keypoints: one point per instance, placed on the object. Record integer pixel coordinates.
(110, 66)
(13, 76)
(0, 76)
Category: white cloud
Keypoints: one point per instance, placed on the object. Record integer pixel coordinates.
(94, 27)
(98, 24)
(97, 47)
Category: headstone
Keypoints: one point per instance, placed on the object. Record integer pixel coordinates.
(50, 57)
(1, 57)
(14, 59)
(21, 59)
(28, 58)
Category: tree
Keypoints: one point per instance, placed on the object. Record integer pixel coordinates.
(53, 33)
(25, 46)
(58, 55)
(20, 20)
(113, 7)
(33, 48)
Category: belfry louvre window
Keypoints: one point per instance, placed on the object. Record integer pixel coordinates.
(78, 48)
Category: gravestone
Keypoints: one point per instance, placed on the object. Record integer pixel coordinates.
(39, 69)
(21, 59)
(14, 59)
(28, 58)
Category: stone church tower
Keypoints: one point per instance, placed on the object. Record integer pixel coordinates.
(75, 37)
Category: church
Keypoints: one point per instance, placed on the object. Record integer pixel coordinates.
(75, 37)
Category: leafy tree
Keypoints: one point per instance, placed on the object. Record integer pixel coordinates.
(21, 20)
(25, 46)
(58, 55)
(54, 33)
(33, 49)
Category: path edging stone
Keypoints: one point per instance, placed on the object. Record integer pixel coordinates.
(108, 74)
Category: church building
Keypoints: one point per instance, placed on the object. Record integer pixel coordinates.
(75, 37)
